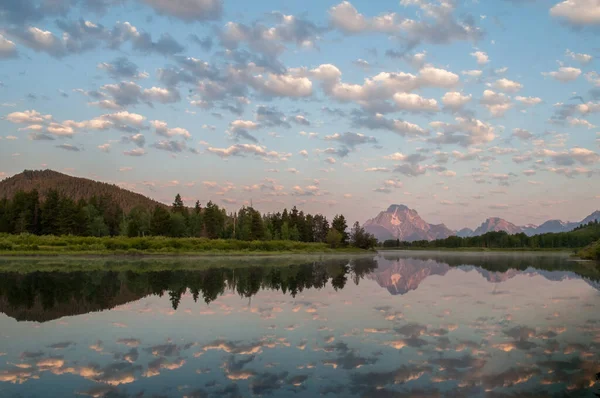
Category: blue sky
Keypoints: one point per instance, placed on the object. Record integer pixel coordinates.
(461, 110)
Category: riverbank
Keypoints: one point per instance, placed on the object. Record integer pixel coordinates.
(32, 245)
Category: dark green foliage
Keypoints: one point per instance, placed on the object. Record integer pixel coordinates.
(361, 238)
(334, 238)
(102, 216)
(160, 223)
(340, 225)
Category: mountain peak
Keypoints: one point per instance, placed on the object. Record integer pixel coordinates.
(496, 224)
(396, 207)
(401, 222)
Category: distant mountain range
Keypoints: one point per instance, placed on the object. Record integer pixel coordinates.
(400, 222)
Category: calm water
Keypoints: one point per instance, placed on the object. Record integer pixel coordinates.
(393, 325)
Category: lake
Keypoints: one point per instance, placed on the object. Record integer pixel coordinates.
(395, 324)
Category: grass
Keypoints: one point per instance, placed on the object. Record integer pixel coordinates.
(590, 252)
(49, 245)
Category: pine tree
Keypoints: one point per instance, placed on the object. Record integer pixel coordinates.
(339, 224)
(160, 223)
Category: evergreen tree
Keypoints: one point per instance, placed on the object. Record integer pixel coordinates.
(339, 224)
(285, 231)
(178, 206)
(178, 227)
(160, 223)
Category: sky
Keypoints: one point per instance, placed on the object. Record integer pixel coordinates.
(462, 110)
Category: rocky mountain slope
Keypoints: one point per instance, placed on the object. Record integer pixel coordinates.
(400, 222)
(496, 224)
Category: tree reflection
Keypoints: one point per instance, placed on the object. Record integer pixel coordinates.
(43, 296)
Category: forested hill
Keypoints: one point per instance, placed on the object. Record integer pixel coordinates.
(74, 188)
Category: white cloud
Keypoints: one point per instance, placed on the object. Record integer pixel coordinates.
(304, 153)
(7, 48)
(104, 147)
(396, 156)
(29, 116)
(455, 100)
(243, 125)
(522, 134)
(161, 128)
(578, 12)
(330, 160)
(414, 102)
(529, 100)
(135, 152)
(126, 118)
(564, 74)
(248, 149)
(583, 59)
(496, 103)
(472, 73)
(573, 121)
(162, 95)
(481, 57)
(509, 86)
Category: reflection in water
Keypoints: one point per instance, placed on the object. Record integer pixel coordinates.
(454, 325)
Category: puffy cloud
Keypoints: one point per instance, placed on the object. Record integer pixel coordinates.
(248, 149)
(414, 102)
(529, 100)
(285, 85)
(29, 116)
(125, 117)
(570, 157)
(573, 121)
(8, 49)
(270, 116)
(376, 90)
(162, 95)
(346, 18)
(122, 68)
(330, 160)
(170, 146)
(496, 103)
(465, 132)
(378, 121)
(303, 153)
(522, 134)
(161, 128)
(270, 40)
(135, 152)
(351, 140)
(578, 12)
(509, 86)
(472, 73)
(188, 10)
(377, 169)
(455, 100)
(583, 59)
(564, 74)
(299, 119)
(481, 57)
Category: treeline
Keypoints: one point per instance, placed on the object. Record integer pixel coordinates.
(101, 216)
(579, 237)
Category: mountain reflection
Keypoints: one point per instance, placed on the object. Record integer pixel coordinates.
(43, 296)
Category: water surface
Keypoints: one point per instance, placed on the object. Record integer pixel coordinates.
(389, 325)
